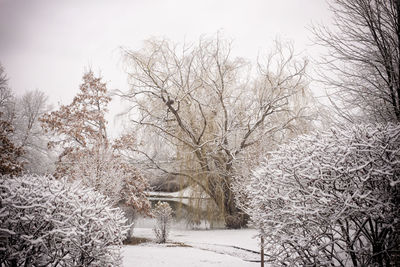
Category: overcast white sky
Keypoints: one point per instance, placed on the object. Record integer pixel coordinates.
(47, 44)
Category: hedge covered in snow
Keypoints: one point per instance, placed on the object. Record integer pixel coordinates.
(48, 222)
(331, 198)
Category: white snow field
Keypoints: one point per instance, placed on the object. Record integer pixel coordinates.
(198, 248)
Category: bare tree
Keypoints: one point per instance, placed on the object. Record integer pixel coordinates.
(364, 57)
(211, 111)
(29, 134)
(6, 96)
(163, 215)
(21, 114)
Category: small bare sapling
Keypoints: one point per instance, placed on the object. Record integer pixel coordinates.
(163, 215)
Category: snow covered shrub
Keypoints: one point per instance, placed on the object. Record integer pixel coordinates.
(107, 172)
(163, 215)
(331, 198)
(48, 222)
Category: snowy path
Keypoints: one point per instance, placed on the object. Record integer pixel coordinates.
(201, 248)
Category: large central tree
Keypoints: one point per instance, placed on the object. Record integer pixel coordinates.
(211, 111)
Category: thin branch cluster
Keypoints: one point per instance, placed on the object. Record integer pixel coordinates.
(163, 215)
(363, 58)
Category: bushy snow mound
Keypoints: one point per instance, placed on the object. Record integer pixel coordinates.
(48, 222)
(331, 198)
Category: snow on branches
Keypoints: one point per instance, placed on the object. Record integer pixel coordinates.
(48, 222)
(163, 215)
(111, 175)
(88, 154)
(9, 152)
(331, 197)
(82, 122)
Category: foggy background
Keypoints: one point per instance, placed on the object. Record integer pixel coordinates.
(47, 44)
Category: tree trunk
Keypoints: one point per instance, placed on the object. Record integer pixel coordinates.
(223, 196)
(377, 258)
(220, 190)
(234, 217)
(236, 220)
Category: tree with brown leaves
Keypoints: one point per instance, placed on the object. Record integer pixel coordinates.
(10, 154)
(87, 153)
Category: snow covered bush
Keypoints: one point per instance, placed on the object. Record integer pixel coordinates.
(48, 222)
(331, 198)
(163, 215)
(110, 174)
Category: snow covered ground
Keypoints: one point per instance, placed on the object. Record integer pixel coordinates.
(198, 248)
